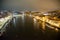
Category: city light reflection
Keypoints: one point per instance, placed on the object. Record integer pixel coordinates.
(47, 20)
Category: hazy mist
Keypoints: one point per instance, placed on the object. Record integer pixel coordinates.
(39, 5)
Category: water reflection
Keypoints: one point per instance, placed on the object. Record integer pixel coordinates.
(28, 26)
(39, 21)
(36, 24)
(23, 18)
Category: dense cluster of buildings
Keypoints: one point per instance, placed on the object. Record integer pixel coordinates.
(3, 14)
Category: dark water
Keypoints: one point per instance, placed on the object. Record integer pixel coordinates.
(23, 28)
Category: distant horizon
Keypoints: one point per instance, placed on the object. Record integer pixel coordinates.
(31, 5)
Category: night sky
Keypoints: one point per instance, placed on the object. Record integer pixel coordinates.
(37, 5)
(0, 3)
